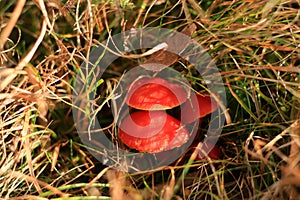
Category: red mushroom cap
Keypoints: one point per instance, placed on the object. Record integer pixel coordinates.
(198, 106)
(152, 131)
(208, 149)
(155, 94)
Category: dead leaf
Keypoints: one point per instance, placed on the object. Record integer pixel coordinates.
(55, 156)
(168, 191)
(93, 191)
(116, 180)
(166, 57)
(43, 107)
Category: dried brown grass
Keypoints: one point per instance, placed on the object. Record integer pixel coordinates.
(254, 43)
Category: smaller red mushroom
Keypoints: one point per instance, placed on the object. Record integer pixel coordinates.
(152, 131)
(197, 107)
(155, 94)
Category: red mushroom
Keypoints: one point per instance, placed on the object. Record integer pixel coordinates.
(197, 107)
(152, 131)
(207, 149)
(155, 94)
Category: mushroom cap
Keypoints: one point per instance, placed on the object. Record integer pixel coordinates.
(198, 106)
(155, 94)
(152, 131)
(208, 149)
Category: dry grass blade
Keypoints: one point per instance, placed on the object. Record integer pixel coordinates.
(27, 146)
(30, 179)
(26, 59)
(198, 9)
(42, 7)
(11, 23)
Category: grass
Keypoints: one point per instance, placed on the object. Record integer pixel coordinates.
(254, 44)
